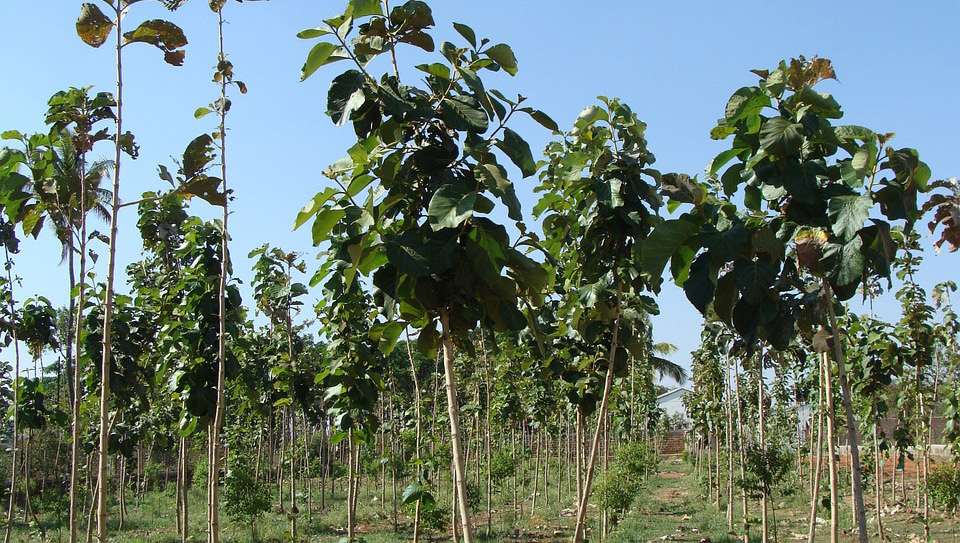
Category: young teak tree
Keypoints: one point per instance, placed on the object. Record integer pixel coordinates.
(813, 196)
(94, 28)
(602, 202)
(412, 197)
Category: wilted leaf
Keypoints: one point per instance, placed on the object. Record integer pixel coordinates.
(163, 35)
(93, 26)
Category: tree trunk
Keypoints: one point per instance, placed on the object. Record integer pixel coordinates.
(729, 438)
(214, 497)
(453, 410)
(16, 404)
(815, 475)
(831, 451)
(416, 443)
(763, 446)
(879, 477)
(859, 509)
(104, 441)
(578, 535)
(73, 363)
(743, 457)
(351, 469)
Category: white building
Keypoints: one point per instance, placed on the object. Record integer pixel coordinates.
(672, 402)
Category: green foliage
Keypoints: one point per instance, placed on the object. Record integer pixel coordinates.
(474, 495)
(435, 518)
(615, 492)
(245, 498)
(502, 466)
(806, 184)
(201, 471)
(636, 459)
(426, 159)
(943, 483)
(765, 469)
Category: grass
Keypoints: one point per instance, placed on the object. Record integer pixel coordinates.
(671, 504)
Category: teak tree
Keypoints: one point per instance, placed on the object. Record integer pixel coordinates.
(602, 202)
(806, 207)
(94, 28)
(425, 161)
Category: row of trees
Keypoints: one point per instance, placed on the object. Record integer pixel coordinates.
(412, 249)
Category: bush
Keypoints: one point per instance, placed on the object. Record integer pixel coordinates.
(200, 472)
(501, 466)
(154, 472)
(245, 498)
(944, 486)
(765, 469)
(616, 491)
(435, 518)
(474, 496)
(636, 459)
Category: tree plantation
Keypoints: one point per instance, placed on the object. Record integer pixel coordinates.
(467, 352)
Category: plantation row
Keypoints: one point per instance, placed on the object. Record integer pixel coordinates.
(471, 371)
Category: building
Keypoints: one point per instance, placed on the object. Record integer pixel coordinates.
(672, 403)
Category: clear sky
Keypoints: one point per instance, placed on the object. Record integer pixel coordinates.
(675, 63)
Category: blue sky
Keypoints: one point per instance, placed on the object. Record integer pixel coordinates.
(674, 63)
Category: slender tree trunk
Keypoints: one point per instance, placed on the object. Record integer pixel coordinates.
(16, 403)
(832, 452)
(815, 475)
(214, 497)
(763, 446)
(879, 477)
(859, 509)
(743, 457)
(416, 443)
(486, 370)
(74, 364)
(578, 535)
(103, 486)
(351, 469)
(453, 409)
(729, 438)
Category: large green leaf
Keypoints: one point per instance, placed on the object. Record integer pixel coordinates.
(726, 245)
(664, 241)
(315, 204)
(503, 55)
(163, 35)
(494, 178)
(362, 8)
(780, 137)
(198, 154)
(699, 286)
(518, 150)
(93, 26)
(754, 278)
(323, 224)
(844, 265)
(322, 54)
(206, 188)
(464, 113)
(745, 102)
(451, 205)
(345, 96)
(848, 213)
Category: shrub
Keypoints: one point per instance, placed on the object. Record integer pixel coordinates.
(636, 459)
(200, 472)
(245, 498)
(435, 518)
(944, 486)
(501, 466)
(474, 496)
(616, 491)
